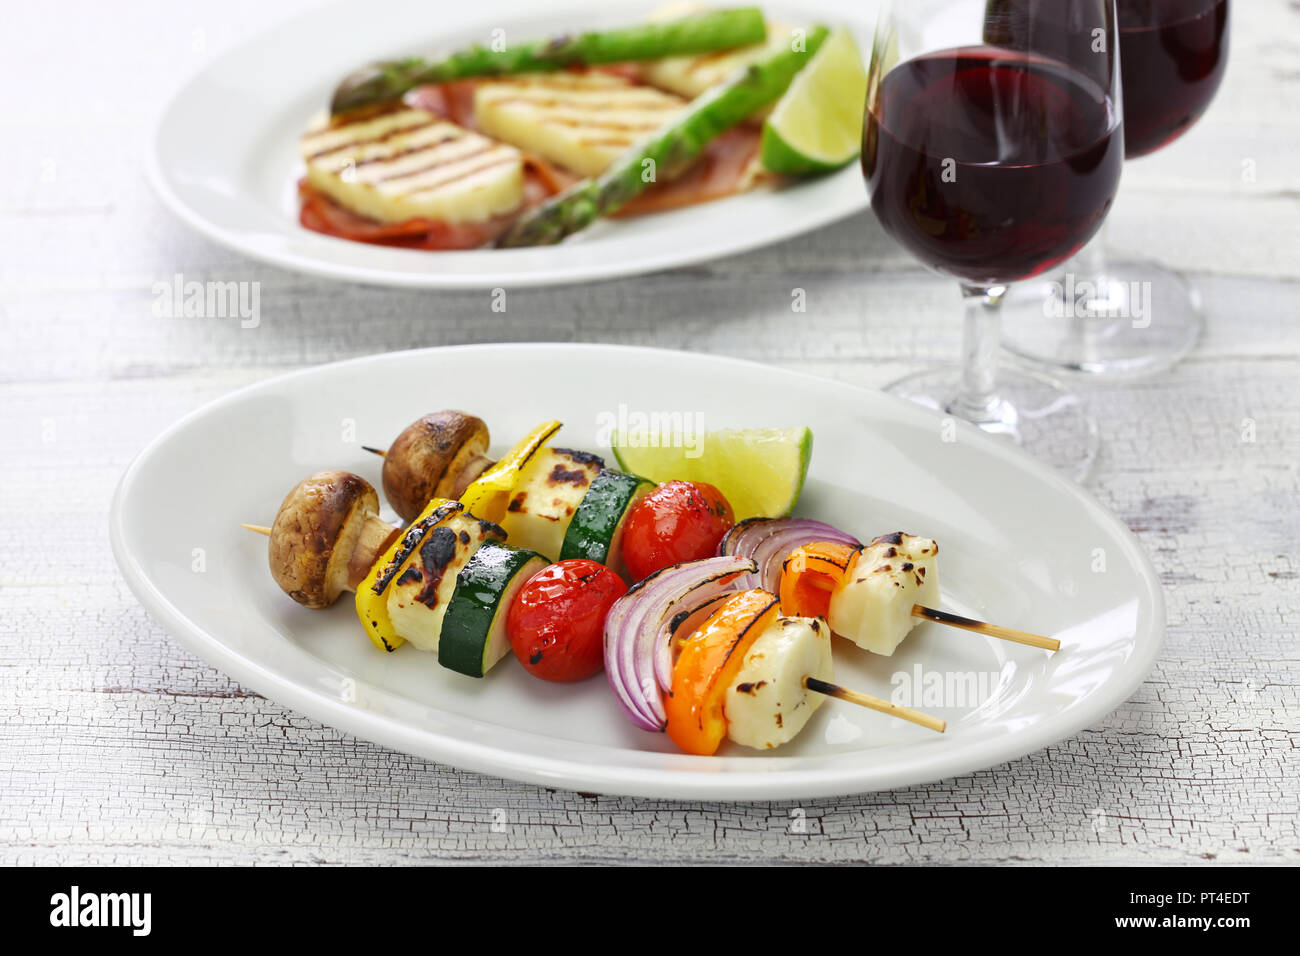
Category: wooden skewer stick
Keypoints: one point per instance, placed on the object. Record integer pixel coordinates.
(982, 627)
(966, 623)
(874, 703)
(375, 451)
(260, 529)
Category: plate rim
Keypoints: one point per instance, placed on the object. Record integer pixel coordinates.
(652, 783)
(611, 268)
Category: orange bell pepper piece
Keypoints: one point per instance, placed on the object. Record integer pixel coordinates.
(811, 573)
(709, 660)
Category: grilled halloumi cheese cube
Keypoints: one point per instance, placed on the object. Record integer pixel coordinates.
(873, 605)
(423, 586)
(767, 704)
(399, 164)
(581, 121)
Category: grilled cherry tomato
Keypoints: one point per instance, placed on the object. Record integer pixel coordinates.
(678, 521)
(557, 621)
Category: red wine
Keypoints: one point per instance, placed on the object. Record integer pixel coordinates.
(1173, 54)
(991, 165)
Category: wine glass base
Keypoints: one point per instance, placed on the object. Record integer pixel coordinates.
(1137, 319)
(1031, 411)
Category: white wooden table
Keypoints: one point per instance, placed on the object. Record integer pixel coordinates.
(116, 745)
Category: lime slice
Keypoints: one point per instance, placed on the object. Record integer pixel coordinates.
(817, 125)
(760, 471)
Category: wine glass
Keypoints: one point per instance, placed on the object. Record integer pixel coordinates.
(993, 162)
(1127, 316)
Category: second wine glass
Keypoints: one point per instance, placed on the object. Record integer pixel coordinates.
(993, 163)
(1108, 315)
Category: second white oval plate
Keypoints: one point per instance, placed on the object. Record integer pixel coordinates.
(1018, 545)
(224, 153)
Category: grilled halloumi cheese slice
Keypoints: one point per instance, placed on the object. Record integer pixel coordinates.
(426, 580)
(581, 121)
(402, 164)
(690, 76)
(546, 497)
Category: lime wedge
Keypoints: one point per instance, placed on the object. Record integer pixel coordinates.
(760, 471)
(817, 125)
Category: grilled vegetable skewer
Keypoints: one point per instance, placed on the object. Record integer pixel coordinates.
(872, 594)
(755, 666)
(670, 151)
(755, 676)
(445, 583)
(703, 32)
(745, 669)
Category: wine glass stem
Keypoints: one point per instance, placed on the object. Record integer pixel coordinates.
(978, 401)
(1090, 265)
(1093, 260)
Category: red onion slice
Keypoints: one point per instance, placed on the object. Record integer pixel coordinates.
(769, 541)
(639, 628)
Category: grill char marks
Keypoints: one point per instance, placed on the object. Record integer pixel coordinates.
(401, 164)
(425, 578)
(580, 121)
(436, 553)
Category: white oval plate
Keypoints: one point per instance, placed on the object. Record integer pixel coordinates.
(1019, 546)
(224, 155)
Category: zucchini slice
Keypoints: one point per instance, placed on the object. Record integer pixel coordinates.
(596, 531)
(474, 627)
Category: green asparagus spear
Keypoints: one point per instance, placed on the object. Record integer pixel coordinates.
(698, 33)
(668, 152)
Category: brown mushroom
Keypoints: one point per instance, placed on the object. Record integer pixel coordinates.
(326, 536)
(437, 456)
